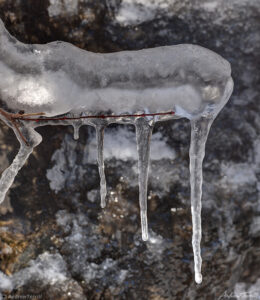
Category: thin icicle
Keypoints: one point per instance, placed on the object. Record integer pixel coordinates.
(100, 158)
(199, 133)
(9, 174)
(76, 127)
(143, 138)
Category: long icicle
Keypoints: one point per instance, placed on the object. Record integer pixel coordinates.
(7, 178)
(199, 133)
(100, 158)
(143, 138)
(76, 127)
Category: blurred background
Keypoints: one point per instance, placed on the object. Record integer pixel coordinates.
(55, 240)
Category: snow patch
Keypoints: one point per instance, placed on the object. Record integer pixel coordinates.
(237, 174)
(60, 172)
(84, 244)
(134, 12)
(210, 6)
(247, 291)
(95, 271)
(118, 143)
(48, 268)
(121, 144)
(59, 7)
(241, 174)
(93, 195)
(5, 283)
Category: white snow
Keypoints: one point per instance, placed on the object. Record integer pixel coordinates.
(63, 218)
(59, 7)
(121, 144)
(237, 174)
(155, 244)
(135, 12)
(97, 271)
(55, 175)
(138, 11)
(245, 291)
(92, 195)
(59, 173)
(210, 6)
(240, 174)
(48, 268)
(5, 283)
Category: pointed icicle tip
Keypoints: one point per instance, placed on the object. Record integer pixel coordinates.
(144, 225)
(198, 278)
(145, 237)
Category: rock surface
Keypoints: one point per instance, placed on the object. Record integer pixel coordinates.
(57, 243)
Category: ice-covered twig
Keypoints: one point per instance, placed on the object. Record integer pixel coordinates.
(32, 140)
(59, 78)
(76, 87)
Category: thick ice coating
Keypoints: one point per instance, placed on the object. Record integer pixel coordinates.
(58, 78)
(125, 87)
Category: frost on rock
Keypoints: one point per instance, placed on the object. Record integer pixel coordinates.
(5, 283)
(85, 247)
(48, 269)
(74, 87)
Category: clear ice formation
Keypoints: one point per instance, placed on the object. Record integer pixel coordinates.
(59, 79)
(100, 146)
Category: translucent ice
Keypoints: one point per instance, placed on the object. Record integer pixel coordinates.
(100, 146)
(59, 78)
(74, 87)
(143, 137)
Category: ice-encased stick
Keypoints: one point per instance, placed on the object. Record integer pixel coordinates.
(199, 133)
(59, 79)
(143, 139)
(9, 174)
(100, 159)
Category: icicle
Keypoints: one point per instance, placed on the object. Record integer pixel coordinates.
(143, 137)
(100, 158)
(24, 152)
(76, 127)
(199, 133)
